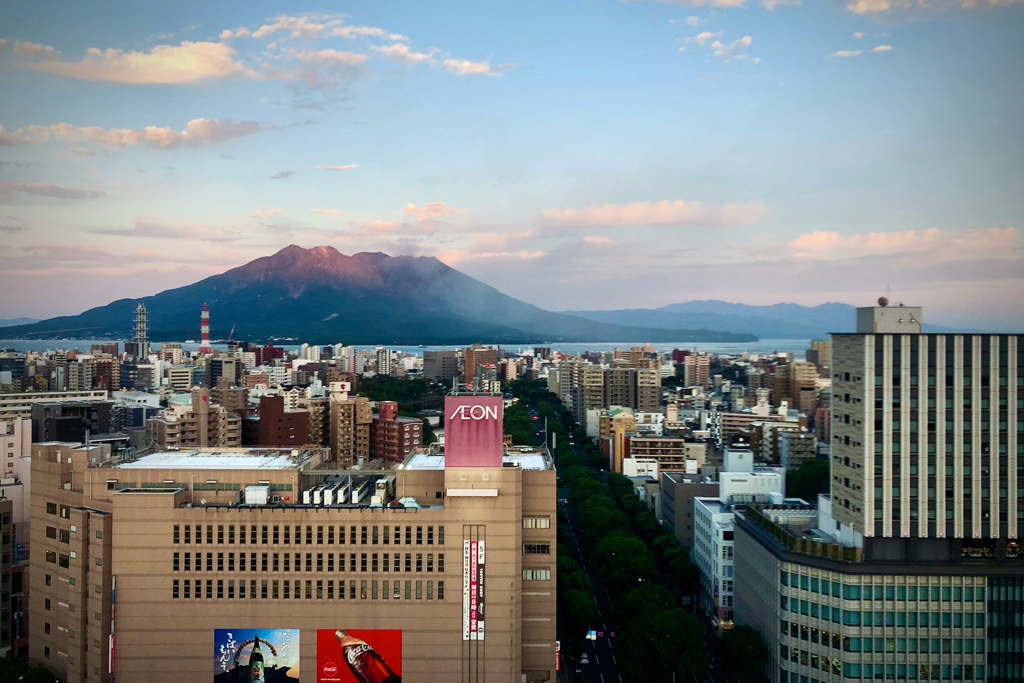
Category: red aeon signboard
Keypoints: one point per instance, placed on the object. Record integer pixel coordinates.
(473, 431)
(358, 656)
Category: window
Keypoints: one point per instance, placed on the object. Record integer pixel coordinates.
(174, 587)
(536, 522)
(174, 565)
(51, 508)
(176, 536)
(440, 590)
(536, 548)
(536, 575)
(440, 537)
(51, 532)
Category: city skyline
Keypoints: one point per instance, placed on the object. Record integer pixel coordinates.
(590, 156)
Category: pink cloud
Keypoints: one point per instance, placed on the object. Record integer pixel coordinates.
(985, 242)
(665, 213)
(430, 210)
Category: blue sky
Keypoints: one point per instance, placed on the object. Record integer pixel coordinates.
(600, 154)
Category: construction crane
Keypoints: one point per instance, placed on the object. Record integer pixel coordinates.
(232, 332)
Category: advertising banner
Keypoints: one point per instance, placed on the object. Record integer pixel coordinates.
(473, 590)
(256, 655)
(358, 656)
(472, 431)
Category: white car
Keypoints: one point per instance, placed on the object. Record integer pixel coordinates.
(584, 659)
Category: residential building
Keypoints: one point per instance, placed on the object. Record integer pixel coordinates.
(820, 354)
(274, 425)
(671, 452)
(200, 424)
(187, 559)
(476, 355)
(697, 370)
(393, 438)
(15, 443)
(233, 398)
(350, 426)
(796, 448)
(8, 631)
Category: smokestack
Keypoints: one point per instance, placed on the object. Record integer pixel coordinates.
(204, 331)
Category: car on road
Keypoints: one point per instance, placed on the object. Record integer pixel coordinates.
(584, 659)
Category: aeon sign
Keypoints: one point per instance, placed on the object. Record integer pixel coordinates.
(474, 413)
(473, 431)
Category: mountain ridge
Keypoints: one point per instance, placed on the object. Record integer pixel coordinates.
(324, 296)
(774, 321)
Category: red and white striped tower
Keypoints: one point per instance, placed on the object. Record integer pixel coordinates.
(204, 331)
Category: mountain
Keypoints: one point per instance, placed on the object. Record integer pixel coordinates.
(778, 321)
(322, 296)
(10, 322)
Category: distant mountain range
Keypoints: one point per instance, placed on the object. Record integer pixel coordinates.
(321, 296)
(778, 321)
(9, 322)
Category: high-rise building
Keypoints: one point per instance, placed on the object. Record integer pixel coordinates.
(168, 533)
(273, 425)
(141, 350)
(350, 426)
(385, 361)
(442, 365)
(475, 356)
(697, 370)
(820, 353)
(392, 438)
(201, 424)
(906, 568)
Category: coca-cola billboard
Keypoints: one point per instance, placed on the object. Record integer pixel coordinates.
(358, 655)
(473, 431)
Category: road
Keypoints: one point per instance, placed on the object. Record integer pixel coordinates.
(602, 666)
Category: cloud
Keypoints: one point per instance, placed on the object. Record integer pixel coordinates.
(430, 210)
(184, 63)
(345, 167)
(697, 3)
(311, 28)
(24, 163)
(82, 152)
(705, 36)
(881, 48)
(730, 51)
(12, 229)
(665, 213)
(266, 212)
(692, 21)
(402, 53)
(772, 4)
(9, 190)
(150, 229)
(328, 57)
(3, 43)
(942, 244)
(23, 47)
(847, 53)
(464, 67)
(597, 239)
(282, 175)
(890, 6)
(858, 35)
(329, 212)
(196, 131)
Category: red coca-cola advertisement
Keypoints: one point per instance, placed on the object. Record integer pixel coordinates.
(472, 431)
(358, 655)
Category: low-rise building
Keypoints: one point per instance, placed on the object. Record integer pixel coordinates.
(200, 424)
(393, 438)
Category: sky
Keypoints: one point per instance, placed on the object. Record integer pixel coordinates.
(576, 155)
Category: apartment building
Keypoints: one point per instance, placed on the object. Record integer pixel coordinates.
(189, 561)
(393, 438)
(200, 424)
(442, 365)
(350, 426)
(19, 404)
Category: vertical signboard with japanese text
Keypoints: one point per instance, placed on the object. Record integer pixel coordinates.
(473, 561)
(358, 656)
(256, 655)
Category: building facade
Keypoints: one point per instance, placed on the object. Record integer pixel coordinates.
(411, 573)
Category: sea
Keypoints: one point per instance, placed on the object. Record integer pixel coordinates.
(797, 347)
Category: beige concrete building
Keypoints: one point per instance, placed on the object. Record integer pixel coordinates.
(19, 404)
(187, 557)
(350, 429)
(198, 425)
(676, 502)
(233, 398)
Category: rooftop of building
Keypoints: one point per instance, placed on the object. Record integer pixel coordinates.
(794, 525)
(526, 457)
(219, 459)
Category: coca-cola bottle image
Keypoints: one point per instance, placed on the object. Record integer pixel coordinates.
(366, 665)
(256, 664)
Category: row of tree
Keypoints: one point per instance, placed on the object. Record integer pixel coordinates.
(643, 569)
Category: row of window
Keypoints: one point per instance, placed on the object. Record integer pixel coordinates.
(902, 593)
(284, 562)
(921, 645)
(273, 534)
(297, 590)
(880, 618)
(913, 671)
(65, 511)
